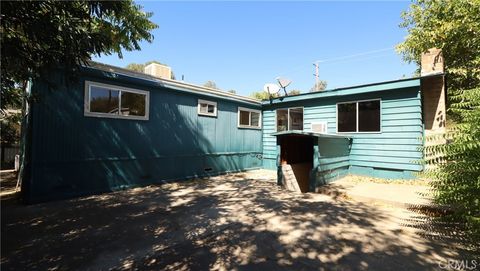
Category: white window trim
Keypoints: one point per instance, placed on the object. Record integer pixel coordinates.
(250, 118)
(214, 114)
(288, 117)
(87, 112)
(356, 120)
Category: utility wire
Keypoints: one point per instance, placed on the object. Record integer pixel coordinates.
(356, 55)
(339, 59)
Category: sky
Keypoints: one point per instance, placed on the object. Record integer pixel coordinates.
(243, 45)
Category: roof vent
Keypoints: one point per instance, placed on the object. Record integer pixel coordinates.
(158, 70)
(432, 62)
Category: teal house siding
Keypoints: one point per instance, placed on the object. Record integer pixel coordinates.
(72, 154)
(392, 153)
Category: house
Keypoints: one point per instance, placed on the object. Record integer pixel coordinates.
(113, 128)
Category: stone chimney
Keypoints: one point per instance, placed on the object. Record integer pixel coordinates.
(432, 62)
(158, 70)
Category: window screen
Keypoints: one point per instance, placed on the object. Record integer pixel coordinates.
(249, 118)
(133, 104)
(282, 120)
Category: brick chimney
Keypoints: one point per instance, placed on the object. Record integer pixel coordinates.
(158, 70)
(432, 62)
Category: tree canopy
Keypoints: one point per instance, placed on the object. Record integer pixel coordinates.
(210, 84)
(322, 85)
(37, 36)
(454, 27)
(141, 67)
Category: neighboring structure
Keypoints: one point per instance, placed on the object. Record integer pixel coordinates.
(115, 128)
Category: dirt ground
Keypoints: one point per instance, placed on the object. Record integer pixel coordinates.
(235, 222)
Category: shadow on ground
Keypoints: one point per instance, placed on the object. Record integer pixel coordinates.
(240, 221)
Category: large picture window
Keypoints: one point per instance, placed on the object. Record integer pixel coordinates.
(249, 118)
(102, 100)
(290, 119)
(361, 116)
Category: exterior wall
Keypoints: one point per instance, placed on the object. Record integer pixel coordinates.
(74, 155)
(390, 154)
(434, 108)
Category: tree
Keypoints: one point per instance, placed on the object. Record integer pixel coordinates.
(322, 85)
(141, 67)
(260, 95)
(210, 84)
(294, 92)
(454, 27)
(232, 91)
(456, 177)
(38, 36)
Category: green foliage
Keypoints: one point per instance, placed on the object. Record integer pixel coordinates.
(37, 36)
(210, 84)
(454, 27)
(456, 172)
(322, 85)
(10, 127)
(261, 95)
(141, 67)
(136, 67)
(232, 91)
(294, 92)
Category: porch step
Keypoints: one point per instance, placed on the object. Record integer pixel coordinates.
(289, 179)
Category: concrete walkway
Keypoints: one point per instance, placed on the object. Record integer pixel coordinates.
(364, 190)
(232, 222)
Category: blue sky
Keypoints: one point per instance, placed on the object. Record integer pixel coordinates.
(243, 45)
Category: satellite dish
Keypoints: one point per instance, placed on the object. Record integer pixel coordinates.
(271, 88)
(283, 82)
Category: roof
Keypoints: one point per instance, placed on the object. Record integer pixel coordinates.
(357, 89)
(172, 84)
(310, 134)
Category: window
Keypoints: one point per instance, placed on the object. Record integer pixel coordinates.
(361, 116)
(102, 100)
(290, 119)
(207, 108)
(249, 118)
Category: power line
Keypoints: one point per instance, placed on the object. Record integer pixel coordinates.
(355, 55)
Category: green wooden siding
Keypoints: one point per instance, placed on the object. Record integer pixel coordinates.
(392, 153)
(76, 155)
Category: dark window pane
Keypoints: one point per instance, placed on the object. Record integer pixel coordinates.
(369, 116)
(296, 119)
(244, 118)
(133, 104)
(347, 117)
(103, 100)
(282, 120)
(255, 121)
(211, 109)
